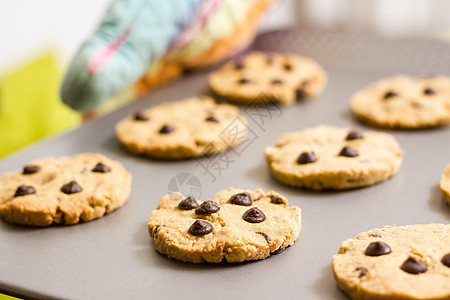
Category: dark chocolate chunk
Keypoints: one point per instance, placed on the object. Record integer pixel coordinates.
(353, 135)
(24, 190)
(278, 251)
(276, 200)
(212, 119)
(413, 266)
(300, 94)
(265, 236)
(377, 249)
(306, 158)
(390, 94)
(71, 188)
(200, 227)
(446, 260)
(362, 271)
(429, 91)
(243, 81)
(349, 152)
(206, 208)
(239, 65)
(276, 81)
(101, 168)
(140, 116)
(188, 203)
(30, 169)
(287, 67)
(166, 129)
(241, 199)
(254, 215)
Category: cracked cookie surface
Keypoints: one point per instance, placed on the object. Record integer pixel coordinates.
(445, 184)
(65, 190)
(405, 262)
(237, 225)
(325, 157)
(284, 78)
(182, 129)
(405, 102)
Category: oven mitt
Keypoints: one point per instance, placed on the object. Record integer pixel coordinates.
(141, 44)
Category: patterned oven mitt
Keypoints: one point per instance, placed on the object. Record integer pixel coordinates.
(141, 44)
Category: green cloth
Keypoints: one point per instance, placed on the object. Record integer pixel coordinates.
(4, 297)
(30, 107)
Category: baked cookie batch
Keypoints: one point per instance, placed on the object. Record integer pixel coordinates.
(406, 262)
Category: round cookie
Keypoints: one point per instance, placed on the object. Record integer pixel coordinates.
(67, 190)
(326, 157)
(237, 225)
(182, 129)
(284, 78)
(445, 184)
(405, 102)
(406, 262)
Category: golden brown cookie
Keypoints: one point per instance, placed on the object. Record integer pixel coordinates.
(182, 129)
(237, 225)
(284, 78)
(405, 102)
(405, 262)
(445, 184)
(67, 190)
(327, 157)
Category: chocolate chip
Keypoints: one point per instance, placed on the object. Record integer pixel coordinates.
(212, 119)
(349, 152)
(362, 271)
(188, 203)
(71, 188)
(265, 236)
(30, 169)
(390, 94)
(243, 81)
(269, 60)
(278, 251)
(239, 65)
(446, 260)
(254, 215)
(241, 199)
(24, 190)
(413, 266)
(276, 200)
(276, 81)
(101, 168)
(200, 227)
(206, 208)
(300, 94)
(287, 67)
(140, 116)
(353, 135)
(377, 249)
(166, 129)
(306, 158)
(429, 91)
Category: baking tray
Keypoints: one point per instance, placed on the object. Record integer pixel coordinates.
(113, 257)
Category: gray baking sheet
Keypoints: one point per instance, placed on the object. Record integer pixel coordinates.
(113, 257)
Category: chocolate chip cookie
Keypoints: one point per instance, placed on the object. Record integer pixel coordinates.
(327, 157)
(182, 129)
(237, 225)
(405, 102)
(67, 190)
(284, 78)
(445, 184)
(405, 262)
